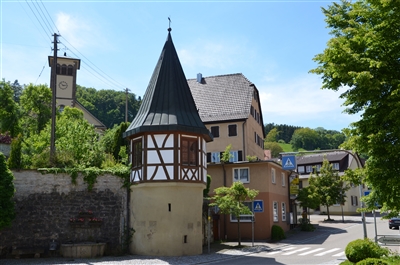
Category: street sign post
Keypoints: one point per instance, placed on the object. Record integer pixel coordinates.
(258, 206)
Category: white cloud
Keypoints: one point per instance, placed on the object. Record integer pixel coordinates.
(301, 102)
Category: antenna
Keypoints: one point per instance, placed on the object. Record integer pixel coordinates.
(169, 24)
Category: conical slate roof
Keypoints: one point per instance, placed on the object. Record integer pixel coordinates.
(168, 104)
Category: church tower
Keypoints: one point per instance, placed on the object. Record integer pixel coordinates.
(65, 80)
(169, 164)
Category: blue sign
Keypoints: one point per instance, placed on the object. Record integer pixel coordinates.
(258, 206)
(367, 192)
(289, 162)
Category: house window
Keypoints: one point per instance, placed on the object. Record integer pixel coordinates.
(275, 211)
(215, 157)
(335, 166)
(234, 156)
(283, 179)
(283, 211)
(189, 152)
(300, 169)
(241, 174)
(273, 175)
(232, 130)
(309, 169)
(244, 217)
(137, 153)
(215, 131)
(318, 168)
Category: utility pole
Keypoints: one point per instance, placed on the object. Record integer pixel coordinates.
(126, 105)
(53, 102)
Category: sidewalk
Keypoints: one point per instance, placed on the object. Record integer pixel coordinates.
(218, 251)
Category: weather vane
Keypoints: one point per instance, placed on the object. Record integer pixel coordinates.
(169, 24)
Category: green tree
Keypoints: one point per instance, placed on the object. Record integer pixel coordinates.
(272, 135)
(308, 197)
(15, 159)
(231, 201)
(305, 138)
(9, 110)
(77, 143)
(274, 147)
(36, 108)
(363, 57)
(7, 212)
(327, 186)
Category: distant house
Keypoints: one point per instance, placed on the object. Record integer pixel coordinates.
(229, 106)
(341, 160)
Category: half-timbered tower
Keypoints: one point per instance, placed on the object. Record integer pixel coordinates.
(169, 164)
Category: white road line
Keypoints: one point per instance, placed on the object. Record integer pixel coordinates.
(339, 254)
(279, 251)
(312, 251)
(326, 252)
(294, 251)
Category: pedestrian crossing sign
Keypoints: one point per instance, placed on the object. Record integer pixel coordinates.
(258, 206)
(289, 162)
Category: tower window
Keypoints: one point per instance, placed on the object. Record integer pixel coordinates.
(189, 151)
(70, 68)
(58, 69)
(137, 153)
(63, 69)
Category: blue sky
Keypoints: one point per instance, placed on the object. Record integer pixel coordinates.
(272, 43)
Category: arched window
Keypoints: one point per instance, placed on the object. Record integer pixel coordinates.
(70, 68)
(58, 69)
(64, 69)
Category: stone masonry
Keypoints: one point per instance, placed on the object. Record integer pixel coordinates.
(45, 203)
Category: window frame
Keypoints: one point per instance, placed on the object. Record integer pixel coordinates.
(283, 210)
(188, 153)
(246, 218)
(215, 155)
(137, 153)
(309, 169)
(230, 131)
(273, 176)
(239, 169)
(275, 211)
(335, 166)
(215, 131)
(300, 171)
(283, 179)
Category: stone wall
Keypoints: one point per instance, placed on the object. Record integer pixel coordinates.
(46, 203)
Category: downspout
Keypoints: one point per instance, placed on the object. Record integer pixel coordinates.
(244, 142)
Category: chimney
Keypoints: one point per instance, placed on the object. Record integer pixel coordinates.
(199, 77)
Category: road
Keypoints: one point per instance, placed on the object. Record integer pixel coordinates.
(326, 247)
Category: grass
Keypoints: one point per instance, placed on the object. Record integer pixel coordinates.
(286, 147)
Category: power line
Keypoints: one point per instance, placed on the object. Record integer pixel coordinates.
(36, 17)
(33, 22)
(45, 17)
(50, 17)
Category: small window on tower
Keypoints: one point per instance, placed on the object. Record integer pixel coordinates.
(70, 68)
(137, 153)
(63, 69)
(58, 69)
(189, 152)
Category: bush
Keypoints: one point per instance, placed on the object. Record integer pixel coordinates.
(372, 261)
(277, 233)
(361, 249)
(307, 227)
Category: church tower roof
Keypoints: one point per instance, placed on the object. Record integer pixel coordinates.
(168, 103)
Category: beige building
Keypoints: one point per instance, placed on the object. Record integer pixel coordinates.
(308, 164)
(229, 106)
(66, 74)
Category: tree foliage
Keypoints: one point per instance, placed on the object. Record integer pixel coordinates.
(305, 138)
(230, 200)
(35, 102)
(7, 212)
(274, 147)
(9, 110)
(272, 135)
(77, 143)
(285, 131)
(327, 186)
(108, 105)
(363, 56)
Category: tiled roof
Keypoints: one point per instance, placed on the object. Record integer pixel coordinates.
(168, 104)
(222, 97)
(319, 158)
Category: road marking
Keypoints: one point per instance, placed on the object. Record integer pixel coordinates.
(294, 251)
(339, 254)
(279, 251)
(312, 251)
(326, 252)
